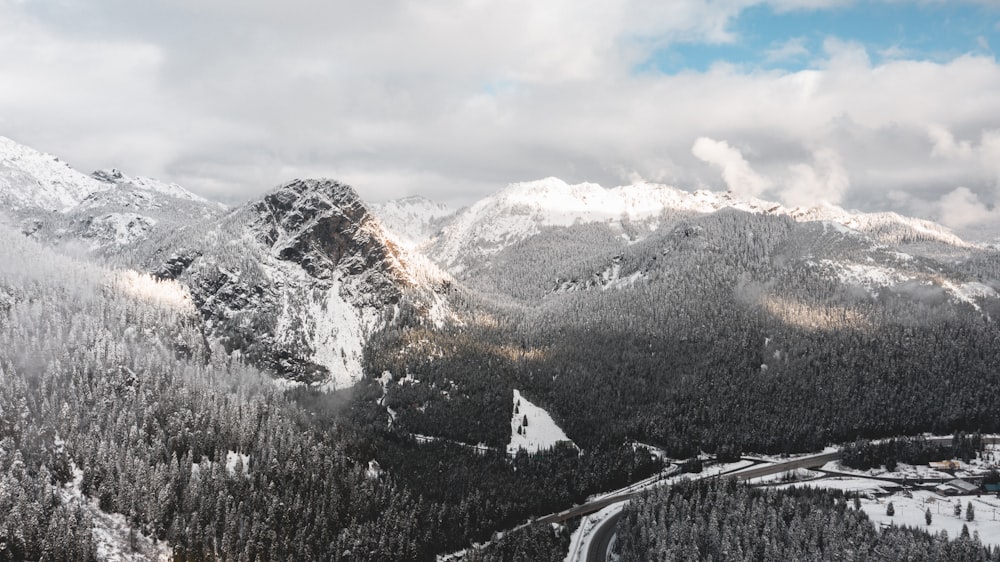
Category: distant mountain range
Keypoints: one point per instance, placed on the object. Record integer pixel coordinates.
(298, 279)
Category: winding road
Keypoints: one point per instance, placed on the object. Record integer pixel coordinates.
(598, 551)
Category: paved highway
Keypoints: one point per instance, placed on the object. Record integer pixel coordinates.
(813, 461)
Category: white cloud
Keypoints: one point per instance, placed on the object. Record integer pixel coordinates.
(740, 178)
(961, 208)
(945, 145)
(984, 156)
(826, 180)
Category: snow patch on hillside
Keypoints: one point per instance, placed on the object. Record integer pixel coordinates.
(866, 275)
(541, 431)
(236, 460)
(113, 536)
(611, 278)
(970, 292)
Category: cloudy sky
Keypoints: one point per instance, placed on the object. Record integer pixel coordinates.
(867, 104)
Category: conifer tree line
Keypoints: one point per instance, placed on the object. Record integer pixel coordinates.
(865, 454)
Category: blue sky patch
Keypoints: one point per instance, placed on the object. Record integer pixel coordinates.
(793, 40)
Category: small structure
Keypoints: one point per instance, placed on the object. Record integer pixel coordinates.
(956, 487)
(944, 465)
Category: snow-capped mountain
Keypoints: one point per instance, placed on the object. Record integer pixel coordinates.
(539, 239)
(523, 210)
(30, 179)
(297, 280)
(414, 219)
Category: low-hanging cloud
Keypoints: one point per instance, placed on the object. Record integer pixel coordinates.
(962, 208)
(826, 180)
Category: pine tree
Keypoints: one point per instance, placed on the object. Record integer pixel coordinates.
(927, 516)
(970, 512)
(890, 510)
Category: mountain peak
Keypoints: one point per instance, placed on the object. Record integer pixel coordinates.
(322, 224)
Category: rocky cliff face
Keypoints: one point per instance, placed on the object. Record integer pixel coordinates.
(323, 226)
(296, 280)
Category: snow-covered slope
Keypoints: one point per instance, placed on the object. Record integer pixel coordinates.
(413, 220)
(886, 227)
(523, 209)
(31, 179)
(106, 210)
(116, 177)
(105, 221)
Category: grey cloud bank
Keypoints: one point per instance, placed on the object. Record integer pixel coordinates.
(454, 100)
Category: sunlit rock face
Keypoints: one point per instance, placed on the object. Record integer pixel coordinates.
(297, 280)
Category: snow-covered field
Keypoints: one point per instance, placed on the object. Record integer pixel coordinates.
(909, 511)
(910, 507)
(532, 428)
